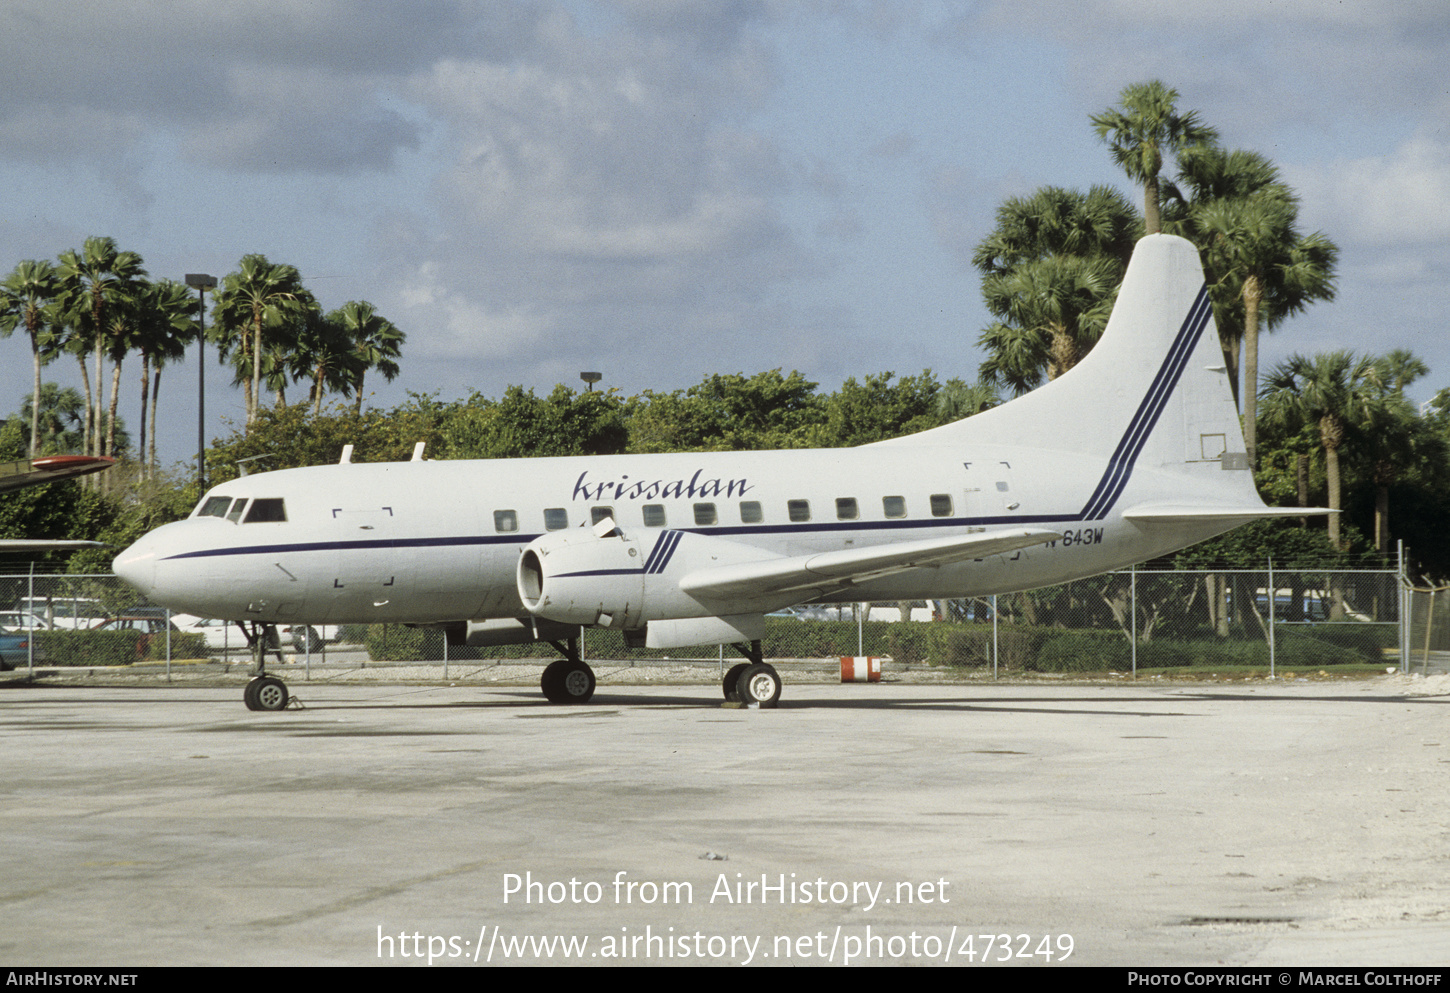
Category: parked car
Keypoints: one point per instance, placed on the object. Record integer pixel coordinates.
(15, 650)
(227, 635)
(153, 629)
(218, 633)
(76, 613)
(22, 620)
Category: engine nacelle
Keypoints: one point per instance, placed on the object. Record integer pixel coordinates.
(580, 577)
(605, 577)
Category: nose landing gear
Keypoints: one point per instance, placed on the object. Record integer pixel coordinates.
(264, 692)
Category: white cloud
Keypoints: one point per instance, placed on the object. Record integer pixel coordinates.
(1396, 199)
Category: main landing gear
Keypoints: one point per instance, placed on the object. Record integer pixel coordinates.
(754, 683)
(264, 692)
(568, 680)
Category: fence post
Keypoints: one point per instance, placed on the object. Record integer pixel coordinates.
(994, 636)
(1133, 611)
(30, 612)
(1406, 599)
(1273, 597)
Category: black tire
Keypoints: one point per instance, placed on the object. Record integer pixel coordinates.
(249, 695)
(270, 693)
(565, 681)
(306, 639)
(731, 683)
(759, 686)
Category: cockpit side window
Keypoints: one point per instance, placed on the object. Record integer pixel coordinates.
(235, 514)
(214, 507)
(266, 511)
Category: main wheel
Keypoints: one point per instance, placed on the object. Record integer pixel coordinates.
(270, 693)
(731, 683)
(249, 695)
(759, 685)
(566, 681)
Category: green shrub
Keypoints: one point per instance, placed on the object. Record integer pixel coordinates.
(1083, 651)
(76, 648)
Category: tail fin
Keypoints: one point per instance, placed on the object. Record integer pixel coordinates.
(1153, 392)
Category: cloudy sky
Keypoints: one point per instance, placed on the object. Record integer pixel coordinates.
(664, 189)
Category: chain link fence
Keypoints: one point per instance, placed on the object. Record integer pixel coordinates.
(1212, 620)
(1427, 629)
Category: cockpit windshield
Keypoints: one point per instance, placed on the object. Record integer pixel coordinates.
(214, 506)
(262, 510)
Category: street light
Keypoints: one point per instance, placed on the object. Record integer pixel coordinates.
(202, 282)
(591, 378)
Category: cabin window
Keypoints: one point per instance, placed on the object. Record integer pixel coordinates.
(894, 507)
(654, 515)
(846, 509)
(214, 507)
(704, 513)
(941, 505)
(597, 514)
(798, 510)
(235, 514)
(556, 519)
(750, 512)
(268, 511)
(505, 521)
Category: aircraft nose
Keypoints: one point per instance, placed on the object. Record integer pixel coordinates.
(137, 565)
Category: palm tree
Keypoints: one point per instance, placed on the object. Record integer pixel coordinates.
(1209, 175)
(377, 342)
(1336, 392)
(259, 298)
(166, 325)
(57, 419)
(1394, 435)
(1050, 272)
(1055, 310)
(324, 354)
(1254, 245)
(25, 298)
(1140, 134)
(92, 283)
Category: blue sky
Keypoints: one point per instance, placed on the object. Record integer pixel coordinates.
(663, 190)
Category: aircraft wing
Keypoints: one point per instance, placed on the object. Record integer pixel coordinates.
(44, 544)
(835, 570)
(1166, 513)
(31, 472)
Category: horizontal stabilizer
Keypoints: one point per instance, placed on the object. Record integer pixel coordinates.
(833, 570)
(1162, 513)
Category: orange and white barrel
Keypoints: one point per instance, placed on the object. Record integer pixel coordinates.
(860, 669)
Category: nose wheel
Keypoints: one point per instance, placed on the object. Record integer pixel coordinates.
(266, 693)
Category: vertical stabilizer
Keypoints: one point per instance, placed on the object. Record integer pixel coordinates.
(1153, 392)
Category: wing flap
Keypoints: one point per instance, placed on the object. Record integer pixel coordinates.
(833, 570)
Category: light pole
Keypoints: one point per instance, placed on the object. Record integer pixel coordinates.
(591, 378)
(202, 282)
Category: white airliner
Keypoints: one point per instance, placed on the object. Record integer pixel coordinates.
(1134, 453)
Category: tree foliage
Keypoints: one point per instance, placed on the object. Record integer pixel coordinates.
(1143, 132)
(1050, 273)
